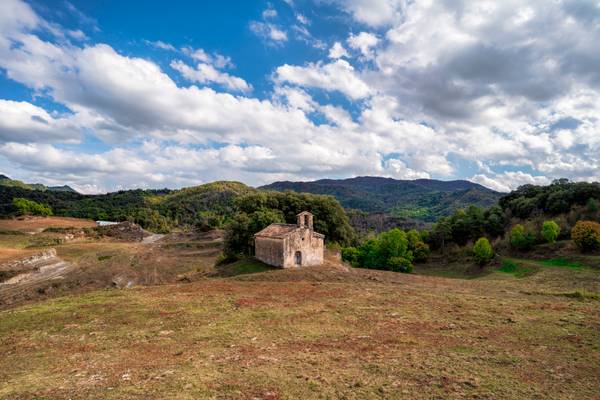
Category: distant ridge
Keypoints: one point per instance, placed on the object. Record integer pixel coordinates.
(421, 199)
(6, 181)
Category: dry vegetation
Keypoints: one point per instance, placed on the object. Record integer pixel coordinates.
(245, 331)
(38, 224)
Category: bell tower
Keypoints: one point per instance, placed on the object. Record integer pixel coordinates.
(305, 220)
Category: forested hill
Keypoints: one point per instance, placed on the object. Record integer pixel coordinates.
(421, 199)
(6, 181)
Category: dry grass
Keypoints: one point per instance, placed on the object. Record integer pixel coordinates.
(37, 224)
(245, 331)
(421, 337)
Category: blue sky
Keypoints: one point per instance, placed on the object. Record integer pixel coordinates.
(107, 95)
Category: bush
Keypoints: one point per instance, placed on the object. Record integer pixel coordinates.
(586, 235)
(350, 254)
(520, 239)
(550, 231)
(30, 207)
(421, 252)
(400, 264)
(389, 250)
(482, 251)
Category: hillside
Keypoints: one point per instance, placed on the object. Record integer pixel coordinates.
(157, 210)
(6, 181)
(246, 331)
(421, 199)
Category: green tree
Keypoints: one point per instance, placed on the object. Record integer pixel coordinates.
(421, 252)
(519, 239)
(550, 231)
(482, 251)
(389, 250)
(586, 235)
(400, 264)
(413, 238)
(30, 207)
(394, 243)
(350, 254)
(239, 234)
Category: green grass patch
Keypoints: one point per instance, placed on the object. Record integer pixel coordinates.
(561, 263)
(511, 267)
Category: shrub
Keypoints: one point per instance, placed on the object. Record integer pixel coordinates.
(400, 264)
(30, 207)
(586, 235)
(421, 252)
(350, 254)
(550, 231)
(520, 239)
(389, 250)
(482, 251)
(413, 238)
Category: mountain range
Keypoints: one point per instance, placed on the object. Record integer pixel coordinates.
(421, 199)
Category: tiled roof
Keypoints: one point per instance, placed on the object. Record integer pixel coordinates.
(280, 231)
(277, 230)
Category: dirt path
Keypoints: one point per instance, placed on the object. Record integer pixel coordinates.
(45, 269)
(152, 238)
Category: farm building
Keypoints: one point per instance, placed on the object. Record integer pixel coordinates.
(290, 245)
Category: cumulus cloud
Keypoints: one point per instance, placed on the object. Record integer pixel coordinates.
(448, 84)
(206, 73)
(337, 51)
(363, 42)
(338, 75)
(376, 13)
(24, 122)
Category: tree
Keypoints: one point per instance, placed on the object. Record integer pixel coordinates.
(394, 243)
(30, 207)
(550, 231)
(520, 239)
(421, 252)
(442, 232)
(586, 235)
(482, 251)
(400, 264)
(389, 250)
(413, 238)
(350, 254)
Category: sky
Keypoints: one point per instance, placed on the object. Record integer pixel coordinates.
(106, 95)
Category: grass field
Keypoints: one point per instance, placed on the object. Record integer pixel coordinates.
(366, 335)
(247, 331)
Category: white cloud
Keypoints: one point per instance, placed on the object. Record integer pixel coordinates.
(377, 13)
(269, 13)
(268, 31)
(205, 73)
(364, 42)
(295, 98)
(215, 59)
(450, 84)
(159, 44)
(302, 19)
(337, 51)
(338, 75)
(508, 181)
(25, 122)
